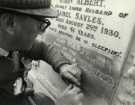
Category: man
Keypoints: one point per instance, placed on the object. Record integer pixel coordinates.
(20, 23)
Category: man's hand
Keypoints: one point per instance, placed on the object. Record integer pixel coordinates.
(72, 95)
(71, 73)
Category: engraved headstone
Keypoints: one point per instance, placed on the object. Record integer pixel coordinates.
(97, 35)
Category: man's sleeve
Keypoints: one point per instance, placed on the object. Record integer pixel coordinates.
(46, 52)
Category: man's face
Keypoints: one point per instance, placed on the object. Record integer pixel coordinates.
(25, 31)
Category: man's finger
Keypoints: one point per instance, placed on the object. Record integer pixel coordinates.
(76, 89)
(76, 74)
(74, 70)
(71, 78)
(68, 88)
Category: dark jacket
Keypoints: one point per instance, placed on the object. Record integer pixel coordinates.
(39, 51)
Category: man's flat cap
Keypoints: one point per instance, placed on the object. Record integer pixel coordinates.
(31, 7)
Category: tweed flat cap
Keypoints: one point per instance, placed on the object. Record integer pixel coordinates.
(31, 7)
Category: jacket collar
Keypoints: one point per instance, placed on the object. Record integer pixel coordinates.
(3, 52)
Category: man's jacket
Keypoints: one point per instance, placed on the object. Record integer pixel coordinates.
(11, 68)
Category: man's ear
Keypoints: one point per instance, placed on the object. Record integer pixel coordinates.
(8, 23)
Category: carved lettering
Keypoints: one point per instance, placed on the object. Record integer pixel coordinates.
(64, 13)
(66, 1)
(98, 12)
(110, 32)
(88, 18)
(98, 3)
(85, 34)
(107, 50)
(74, 23)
